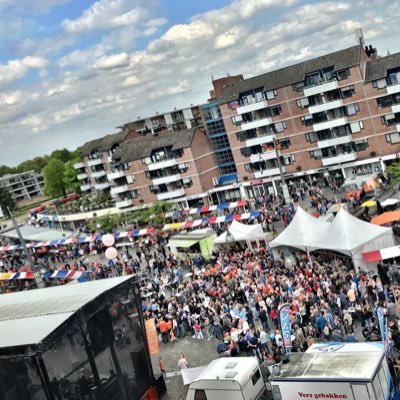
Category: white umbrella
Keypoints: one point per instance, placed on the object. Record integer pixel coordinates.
(389, 202)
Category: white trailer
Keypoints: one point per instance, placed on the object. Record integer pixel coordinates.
(228, 378)
(352, 371)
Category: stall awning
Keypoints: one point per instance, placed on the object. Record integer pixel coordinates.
(185, 243)
(382, 254)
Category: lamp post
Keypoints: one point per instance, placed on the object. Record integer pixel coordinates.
(285, 189)
(37, 275)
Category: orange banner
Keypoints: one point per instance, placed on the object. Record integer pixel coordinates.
(152, 338)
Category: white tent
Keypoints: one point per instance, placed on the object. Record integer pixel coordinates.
(302, 233)
(240, 233)
(346, 234)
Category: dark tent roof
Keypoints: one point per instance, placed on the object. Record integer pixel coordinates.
(377, 69)
(138, 149)
(295, 73)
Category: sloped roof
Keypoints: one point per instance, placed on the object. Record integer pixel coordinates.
(138, 149)
(377, 69)
(103, 144)
(302, 233)
(292, 74)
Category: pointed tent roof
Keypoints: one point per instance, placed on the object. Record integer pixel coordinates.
(348, 233)
(303, 232)
(241, 232)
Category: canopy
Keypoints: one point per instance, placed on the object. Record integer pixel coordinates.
(386, 218)
(241, 232)
(184, 243)
(389, 202)
(382, 254)
(302, 233)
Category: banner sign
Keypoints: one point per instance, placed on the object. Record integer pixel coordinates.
(286, 325)
(152, 338)
(382, 326)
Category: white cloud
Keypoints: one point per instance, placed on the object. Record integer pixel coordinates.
(130, 81)
(16, 69)
(67, 113)
(58, 90)
(105, 14)
(188, 32)
(10, 98)
(113, 61)
(34, 122)
(228, 38)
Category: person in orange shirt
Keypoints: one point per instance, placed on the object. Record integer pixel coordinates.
(163, 327)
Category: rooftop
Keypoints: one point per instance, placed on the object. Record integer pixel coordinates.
(103, 144)
(28, 317)
(138, 149)
(377, 69)
(292, 74)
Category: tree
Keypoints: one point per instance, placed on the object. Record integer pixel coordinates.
(63, 155)
(70, 177)
(54, 184)
(6, 201)
(394, 172)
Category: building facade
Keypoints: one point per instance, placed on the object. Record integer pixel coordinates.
(325, 119)
(24, 186)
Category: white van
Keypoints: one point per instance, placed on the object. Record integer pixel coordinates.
(228, 378)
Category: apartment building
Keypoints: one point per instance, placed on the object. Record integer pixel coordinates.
(24, 186)
(176, 166)
(328, 118)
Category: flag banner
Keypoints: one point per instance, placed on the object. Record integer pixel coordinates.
(286, 325)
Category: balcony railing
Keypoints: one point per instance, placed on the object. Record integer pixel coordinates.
(166, 179)
(115, 175)
(333, 123)
(330, 105)
(124, 203)
(169, 162)
(119, 189)
(393, 89)
(261, 138)
(339, 159)
(85, 188)
(268, 155)
(254, 106)
(101, 186)
(98, 174)
(171, 194)
(81, 177)
(96, 161)
(334, 141)
(265, 173)
(256, 124)
(79, 165)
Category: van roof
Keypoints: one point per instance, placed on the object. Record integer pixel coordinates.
(331, 366)
(229, 369)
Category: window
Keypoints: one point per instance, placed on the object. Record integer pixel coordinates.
(237, 119)
(215, 127)
(388, 120)
(275, 111)
(356, 126)
(393, 138)
(311, 137)
(379, 84)
(248, 167)
(187, 182)
(271, 94)
(317, 154)
(361, 145)
(183, 167)
(307, 120)
(256, 377)
(211, 113)
(130, 178)
(288, 159)
(302, 103)
(280, 126)
(347, 91)
(200, 394)
(245, 152)
(385, 101)
(343, 74)
(298, 87)
(284, 143)
(352, 109)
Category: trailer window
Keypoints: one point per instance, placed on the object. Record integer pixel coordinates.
(200, 395)
(256, 377)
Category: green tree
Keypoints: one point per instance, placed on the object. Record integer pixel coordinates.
(394, 172)
(70, 178)
(54, 184)
(6, 201)
(63, 155)
(4, 170)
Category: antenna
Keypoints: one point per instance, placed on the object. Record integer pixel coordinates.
(359, 36)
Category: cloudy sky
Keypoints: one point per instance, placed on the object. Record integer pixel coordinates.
(74, 70)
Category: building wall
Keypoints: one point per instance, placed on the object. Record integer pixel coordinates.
(24, 186)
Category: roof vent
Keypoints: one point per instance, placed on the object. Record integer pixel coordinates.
(231, 374)
(231, 365)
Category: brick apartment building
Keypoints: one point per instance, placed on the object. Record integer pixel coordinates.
(331, 118)
(323, 120)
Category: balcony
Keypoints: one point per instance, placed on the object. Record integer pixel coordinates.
(98, 174)
(172, 194)
(124, 203)
(81, 176)
(166, 179)
(101, 186)
(96, 161)
(85, 188)
(256, 124)
(115, 175)
(259, 105)
(333, 123)
(342, 158)
(330, 105)
(119, 189)
(395, 108)
(79, 165)
(269, 155)
(162, 164)
(260, 140)
(334, 141)
(265, 173)
(321, 88)
(393, 89)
